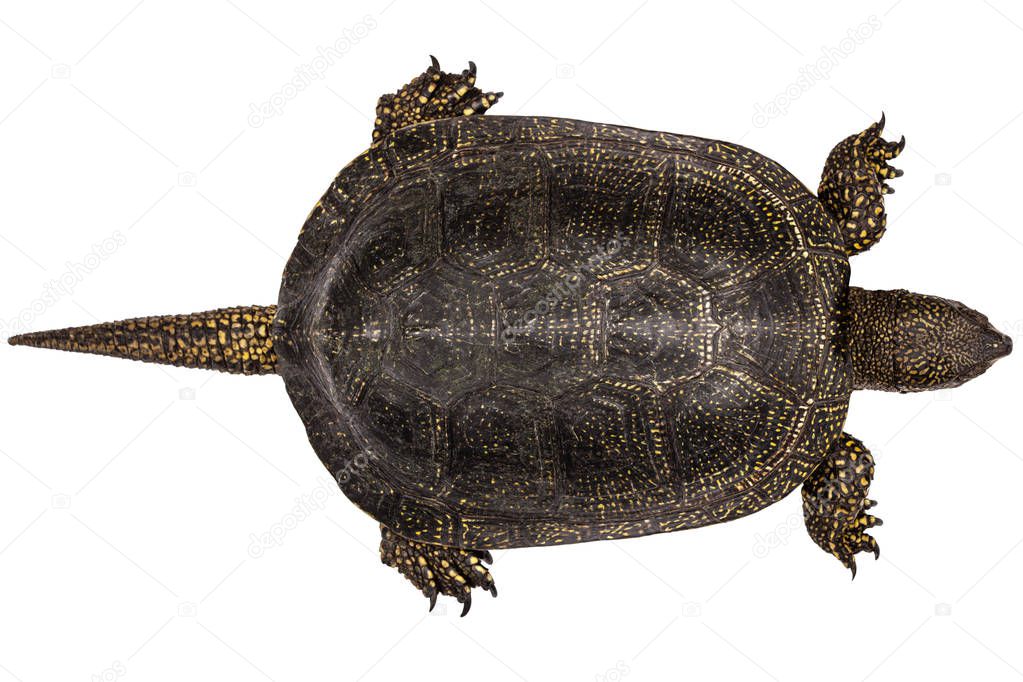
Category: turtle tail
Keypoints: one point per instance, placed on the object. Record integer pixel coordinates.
(236, 340)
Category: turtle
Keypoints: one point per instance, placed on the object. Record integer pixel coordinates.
(512, 331)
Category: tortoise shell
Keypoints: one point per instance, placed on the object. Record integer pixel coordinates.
(515, 331)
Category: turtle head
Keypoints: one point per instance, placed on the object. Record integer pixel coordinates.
(901, 341)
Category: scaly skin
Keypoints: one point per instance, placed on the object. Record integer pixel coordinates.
(431, 96)
(235, 340)
(901, 341)
(853, 185)
(435, 569)
(835, 503)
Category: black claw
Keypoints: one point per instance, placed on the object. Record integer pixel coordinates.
(880, 124)
(436, 64)
(877, 552)
(472, 68)
(852, 567)
(487, 556)
(466, 605)
(493, 590)
(433, 600)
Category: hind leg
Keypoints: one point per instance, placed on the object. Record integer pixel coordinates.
(436, 569)
(431, 96)
(835, 502)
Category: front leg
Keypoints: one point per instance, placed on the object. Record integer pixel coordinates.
(835, 502)
(436, 569)
(853, 185)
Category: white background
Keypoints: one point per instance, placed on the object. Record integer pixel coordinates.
(131, 493)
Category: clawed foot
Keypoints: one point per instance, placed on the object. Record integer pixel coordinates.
(435, 569)
(870, 152)
(431, 96)
(854, 183)
(854, 539)
(835, 503)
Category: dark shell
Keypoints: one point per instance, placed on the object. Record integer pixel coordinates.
(508, 331)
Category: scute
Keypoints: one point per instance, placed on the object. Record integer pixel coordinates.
(768, 340)
(349, 340)
(506, 331)
(615, 448)
(725, 229)
(329, 221)
(411, 428)
(550, 322)
(444, 334)
(602, 197)
(730, 429)
(403, 237)
(495, 211)
(502, 445)
(647, 316)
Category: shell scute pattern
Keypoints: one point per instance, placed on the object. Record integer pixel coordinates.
(615, 447)
(553, 341)
(443, 341)
(769, 341)
(330, 221)
(404, 237)
(412, 427)
(417, 145)
(645, 313)
(606, 200)
(821, 234)
(780, 181)
(730, 230)
(833, 375)
(731, 430)
(495, 211)
(503, 441)
(523, 331)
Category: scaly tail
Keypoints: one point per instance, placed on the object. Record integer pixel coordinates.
(236, 340)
